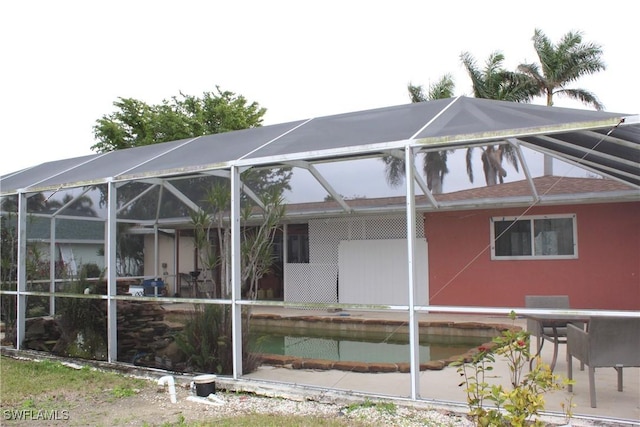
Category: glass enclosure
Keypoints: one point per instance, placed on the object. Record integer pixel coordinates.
(321, 266)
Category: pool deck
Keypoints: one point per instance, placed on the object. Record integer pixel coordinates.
(613, 407)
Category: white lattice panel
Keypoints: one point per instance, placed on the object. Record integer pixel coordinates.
(316, 282)
(311, 283)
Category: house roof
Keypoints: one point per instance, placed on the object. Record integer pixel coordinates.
(607, 143)
(67, 229)
(548, 190)
(545, 186)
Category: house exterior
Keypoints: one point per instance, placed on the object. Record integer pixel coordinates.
(78, 241)
(583, 241)
(598, 265)
(601, 271)
(460, 248)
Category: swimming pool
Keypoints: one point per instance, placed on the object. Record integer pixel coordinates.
(348, 341)
(362, 347)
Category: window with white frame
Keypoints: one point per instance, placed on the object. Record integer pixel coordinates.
(534, 237)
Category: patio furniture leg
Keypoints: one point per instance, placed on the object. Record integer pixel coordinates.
(592, 386)
(555, 352)
(619, 369)
(540, 343)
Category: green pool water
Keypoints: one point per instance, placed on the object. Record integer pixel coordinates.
(359, 347)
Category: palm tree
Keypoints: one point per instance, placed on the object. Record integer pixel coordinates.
(494, 82)
(564, 63)
(35, 203)
(81, 206)
(561, 64)
(435, 162)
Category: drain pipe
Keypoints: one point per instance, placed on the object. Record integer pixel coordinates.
(168, 379)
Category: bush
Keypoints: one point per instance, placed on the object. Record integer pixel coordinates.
(206, 340)
(83, 324)
(495, 405)
(91, 270)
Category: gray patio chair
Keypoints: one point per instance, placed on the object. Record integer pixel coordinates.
(556, 335)
(611, 342)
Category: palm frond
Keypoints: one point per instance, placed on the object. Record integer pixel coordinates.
(583, 96)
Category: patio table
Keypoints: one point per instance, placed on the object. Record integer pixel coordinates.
(554, 322)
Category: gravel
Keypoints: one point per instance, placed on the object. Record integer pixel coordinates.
(224, 404)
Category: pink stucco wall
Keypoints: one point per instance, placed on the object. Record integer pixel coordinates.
(605, 276)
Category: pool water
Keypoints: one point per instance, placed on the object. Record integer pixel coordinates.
(360, 347)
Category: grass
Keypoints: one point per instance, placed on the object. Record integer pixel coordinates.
(383, 407)
(46, 386)
(23, 380)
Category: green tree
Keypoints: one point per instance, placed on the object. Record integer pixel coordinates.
(564, 63)
(435, 162)
(137, 123)
(494, 82)
(81, 206)
(560, 65)
(35, 203)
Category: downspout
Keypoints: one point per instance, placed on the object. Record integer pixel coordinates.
(168, 380)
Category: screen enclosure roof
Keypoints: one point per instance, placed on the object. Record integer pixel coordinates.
(607, 143)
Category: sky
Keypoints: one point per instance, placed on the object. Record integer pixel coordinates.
(64, 63)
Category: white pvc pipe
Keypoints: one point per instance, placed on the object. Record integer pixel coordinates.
(168, 379)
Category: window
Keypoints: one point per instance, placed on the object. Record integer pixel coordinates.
(534, 237)
(298, 246)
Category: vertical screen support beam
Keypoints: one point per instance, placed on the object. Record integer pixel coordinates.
(21, 303)
(414, 344)
(110, 251)
(236, 285)
(52, 267)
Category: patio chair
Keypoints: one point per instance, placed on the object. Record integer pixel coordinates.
(189, 280)
(556, 334)
(611, 342)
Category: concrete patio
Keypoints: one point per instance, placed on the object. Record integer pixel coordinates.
(441, 386)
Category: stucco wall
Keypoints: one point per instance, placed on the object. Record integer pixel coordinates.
(167, 254)
(606, 274)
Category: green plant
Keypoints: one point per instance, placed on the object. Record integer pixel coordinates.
(387, 408)
(206, 340)
(259, 226)
(496, 405)
(567, 408)
(205, 337)
(83, 323)
(119, 392)
(382, 407)
(257, 242)
(91, 270)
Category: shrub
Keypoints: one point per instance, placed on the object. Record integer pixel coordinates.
(206, 340)
(83, 324)
(495, 405)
